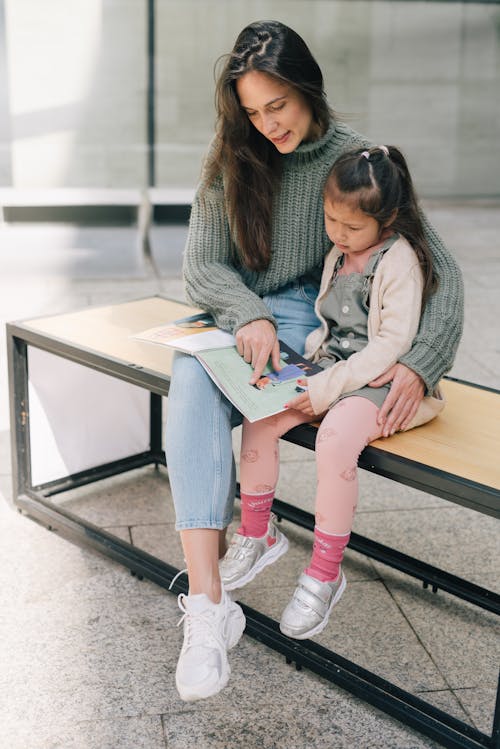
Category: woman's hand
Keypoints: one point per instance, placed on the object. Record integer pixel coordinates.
(400, 406)
(256, 342)
(301, 403)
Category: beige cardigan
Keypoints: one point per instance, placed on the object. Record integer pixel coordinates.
(393, 318)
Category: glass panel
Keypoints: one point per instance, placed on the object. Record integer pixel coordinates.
(74, 86)
(424, 76)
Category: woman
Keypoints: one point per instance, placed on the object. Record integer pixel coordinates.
(253, 258)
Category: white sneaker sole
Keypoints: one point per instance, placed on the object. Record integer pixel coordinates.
(190, 694)
(272, 555)
(319, 627)
(237, 627)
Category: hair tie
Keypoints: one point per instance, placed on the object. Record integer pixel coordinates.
(366, 154)
(385, 150)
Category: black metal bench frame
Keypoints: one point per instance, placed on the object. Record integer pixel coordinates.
(35, 502)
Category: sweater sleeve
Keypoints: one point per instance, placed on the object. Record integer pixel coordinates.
(211, 280)
(441, 324)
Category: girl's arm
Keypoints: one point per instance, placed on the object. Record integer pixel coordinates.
(399, 301)
(433, 350)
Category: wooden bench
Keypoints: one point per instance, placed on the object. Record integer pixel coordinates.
(454, 457)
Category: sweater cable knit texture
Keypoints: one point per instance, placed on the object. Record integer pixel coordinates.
(216, 282)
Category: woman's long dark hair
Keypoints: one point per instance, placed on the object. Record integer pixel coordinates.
(249, 163)
(378, 181)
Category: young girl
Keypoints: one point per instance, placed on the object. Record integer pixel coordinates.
(375, 280)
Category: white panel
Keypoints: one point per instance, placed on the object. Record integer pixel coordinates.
(80, 418)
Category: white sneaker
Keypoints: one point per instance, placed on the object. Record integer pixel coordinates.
(247, 556)
(210, 630)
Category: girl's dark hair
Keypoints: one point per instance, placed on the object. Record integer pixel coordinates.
(377, 181)
(249, 163)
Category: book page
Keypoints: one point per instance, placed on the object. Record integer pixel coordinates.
(232, 374)
(189, 334)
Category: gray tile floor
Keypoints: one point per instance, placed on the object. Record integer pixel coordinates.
(88, 651)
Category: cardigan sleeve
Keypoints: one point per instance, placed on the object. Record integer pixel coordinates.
(435, 345)
(398, 309)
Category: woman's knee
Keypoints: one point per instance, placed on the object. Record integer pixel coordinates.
(192, 392)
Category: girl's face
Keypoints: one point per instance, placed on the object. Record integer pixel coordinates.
(350, 229)
(275, 109)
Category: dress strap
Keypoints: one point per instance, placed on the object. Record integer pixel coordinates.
(372, 265)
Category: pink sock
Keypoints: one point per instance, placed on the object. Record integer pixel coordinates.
(328, 552)
(255, 513)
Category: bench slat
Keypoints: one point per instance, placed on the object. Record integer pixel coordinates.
(463, 441)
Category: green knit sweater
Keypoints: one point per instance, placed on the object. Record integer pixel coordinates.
(215, 282)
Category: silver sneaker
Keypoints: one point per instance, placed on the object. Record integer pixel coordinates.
(308, 612)
(247, 556)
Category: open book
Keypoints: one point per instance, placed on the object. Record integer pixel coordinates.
(216, 351)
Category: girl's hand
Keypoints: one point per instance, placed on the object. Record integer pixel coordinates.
(301, 403)
(256, 342)
(403, 399)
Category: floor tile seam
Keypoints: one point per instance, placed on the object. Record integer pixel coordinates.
(453, 691)
(426, 650)
(121, 716)
(456, 693)
(128, 528)
(464, 707)
(487, 685)
(370, 710)
(164, 729)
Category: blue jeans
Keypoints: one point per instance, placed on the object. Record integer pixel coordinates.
(200, 419)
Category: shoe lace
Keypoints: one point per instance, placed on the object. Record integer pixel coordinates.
(199, 627)
(181, 572)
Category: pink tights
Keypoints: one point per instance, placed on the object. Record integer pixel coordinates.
(345, 430)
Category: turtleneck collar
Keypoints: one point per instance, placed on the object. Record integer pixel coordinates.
(310, 150)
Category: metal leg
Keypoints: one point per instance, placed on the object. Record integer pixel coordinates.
(155, 425)
(495, 733)
(17, 354)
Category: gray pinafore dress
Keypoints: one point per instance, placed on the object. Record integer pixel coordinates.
(345, 309)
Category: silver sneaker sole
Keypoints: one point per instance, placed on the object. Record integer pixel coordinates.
(319, 627)
(272, 555)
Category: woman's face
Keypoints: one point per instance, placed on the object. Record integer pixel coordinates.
(275, 109)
